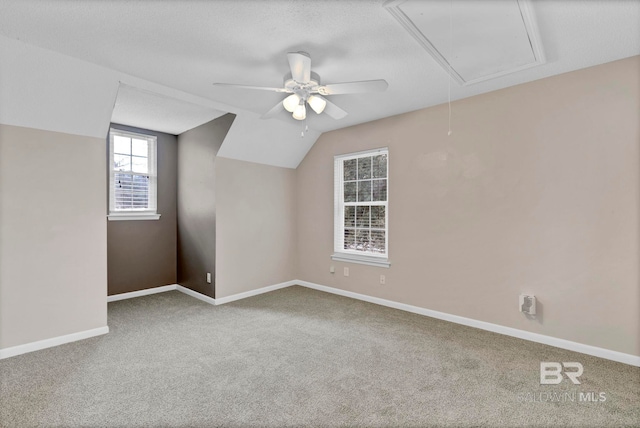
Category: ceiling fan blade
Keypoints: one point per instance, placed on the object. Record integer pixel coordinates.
(261, 88)
(334, 111)
(300, 64)
(353, 87)
(274, 111)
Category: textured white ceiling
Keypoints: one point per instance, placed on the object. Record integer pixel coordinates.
(189, 45)
(252, 140)
(148, 110)
(45, 90)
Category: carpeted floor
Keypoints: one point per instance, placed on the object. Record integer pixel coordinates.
(299, 357)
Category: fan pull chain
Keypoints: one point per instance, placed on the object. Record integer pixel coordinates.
(305, 128)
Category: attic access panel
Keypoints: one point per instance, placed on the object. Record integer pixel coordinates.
(472, 40)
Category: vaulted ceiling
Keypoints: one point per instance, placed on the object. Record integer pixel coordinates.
(168, 54)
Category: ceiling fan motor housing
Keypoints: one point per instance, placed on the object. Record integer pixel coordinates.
(302, 89)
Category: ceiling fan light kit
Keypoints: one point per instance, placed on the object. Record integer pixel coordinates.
(291, 102)
(317, 103)
(305, 88)
(300, 112)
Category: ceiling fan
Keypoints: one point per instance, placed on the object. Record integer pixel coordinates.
(305, 88)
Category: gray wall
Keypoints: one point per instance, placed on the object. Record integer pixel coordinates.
(197, 149)
(142, 253)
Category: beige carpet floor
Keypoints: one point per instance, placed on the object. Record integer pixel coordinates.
(299, 357)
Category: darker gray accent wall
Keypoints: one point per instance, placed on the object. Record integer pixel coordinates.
(197, 150)
(141, 254)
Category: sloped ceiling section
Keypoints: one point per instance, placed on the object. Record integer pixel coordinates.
(252, 139)
(45, 90)
(149, 110)
(180, 48)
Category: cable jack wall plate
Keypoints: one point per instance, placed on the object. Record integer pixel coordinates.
(527, 304)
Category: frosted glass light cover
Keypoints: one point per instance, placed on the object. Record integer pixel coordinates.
(300, 112)
(317, 104)
(291, 102)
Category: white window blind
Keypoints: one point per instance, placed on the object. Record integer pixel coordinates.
(133, 173)
(361, 219)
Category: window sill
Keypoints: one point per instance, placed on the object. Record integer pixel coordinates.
(133, 216)
(364, 260)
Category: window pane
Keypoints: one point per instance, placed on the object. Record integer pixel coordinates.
(130, 168)
(140, 184)
(364, 168)
(379, 190)
(349, 239)
(377, 216)
(379, 166)
(139, 164)
(378, 244)
(349, 216)
(123, 181)
(121, 145)
(350, 168)
(362, 216)
(364, 191)
(350, 191)
(121, 162)
(364, 205)
(123, 191)
(139, 147)
(131, 191)
(362, 240)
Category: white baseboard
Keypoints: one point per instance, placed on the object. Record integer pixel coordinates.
(49, 343)
(145, 292)
(164, 288)
(233, 297)
(195, 294)
(620, 357)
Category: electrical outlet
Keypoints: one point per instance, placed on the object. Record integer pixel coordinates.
(332, 269)
(208, 277)
(383, 280)
(346, 271)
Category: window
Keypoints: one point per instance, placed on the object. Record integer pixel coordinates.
(361, 219)
(132, 176)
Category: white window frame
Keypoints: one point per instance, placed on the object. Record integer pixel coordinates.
(351, 256)
(150, 213)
